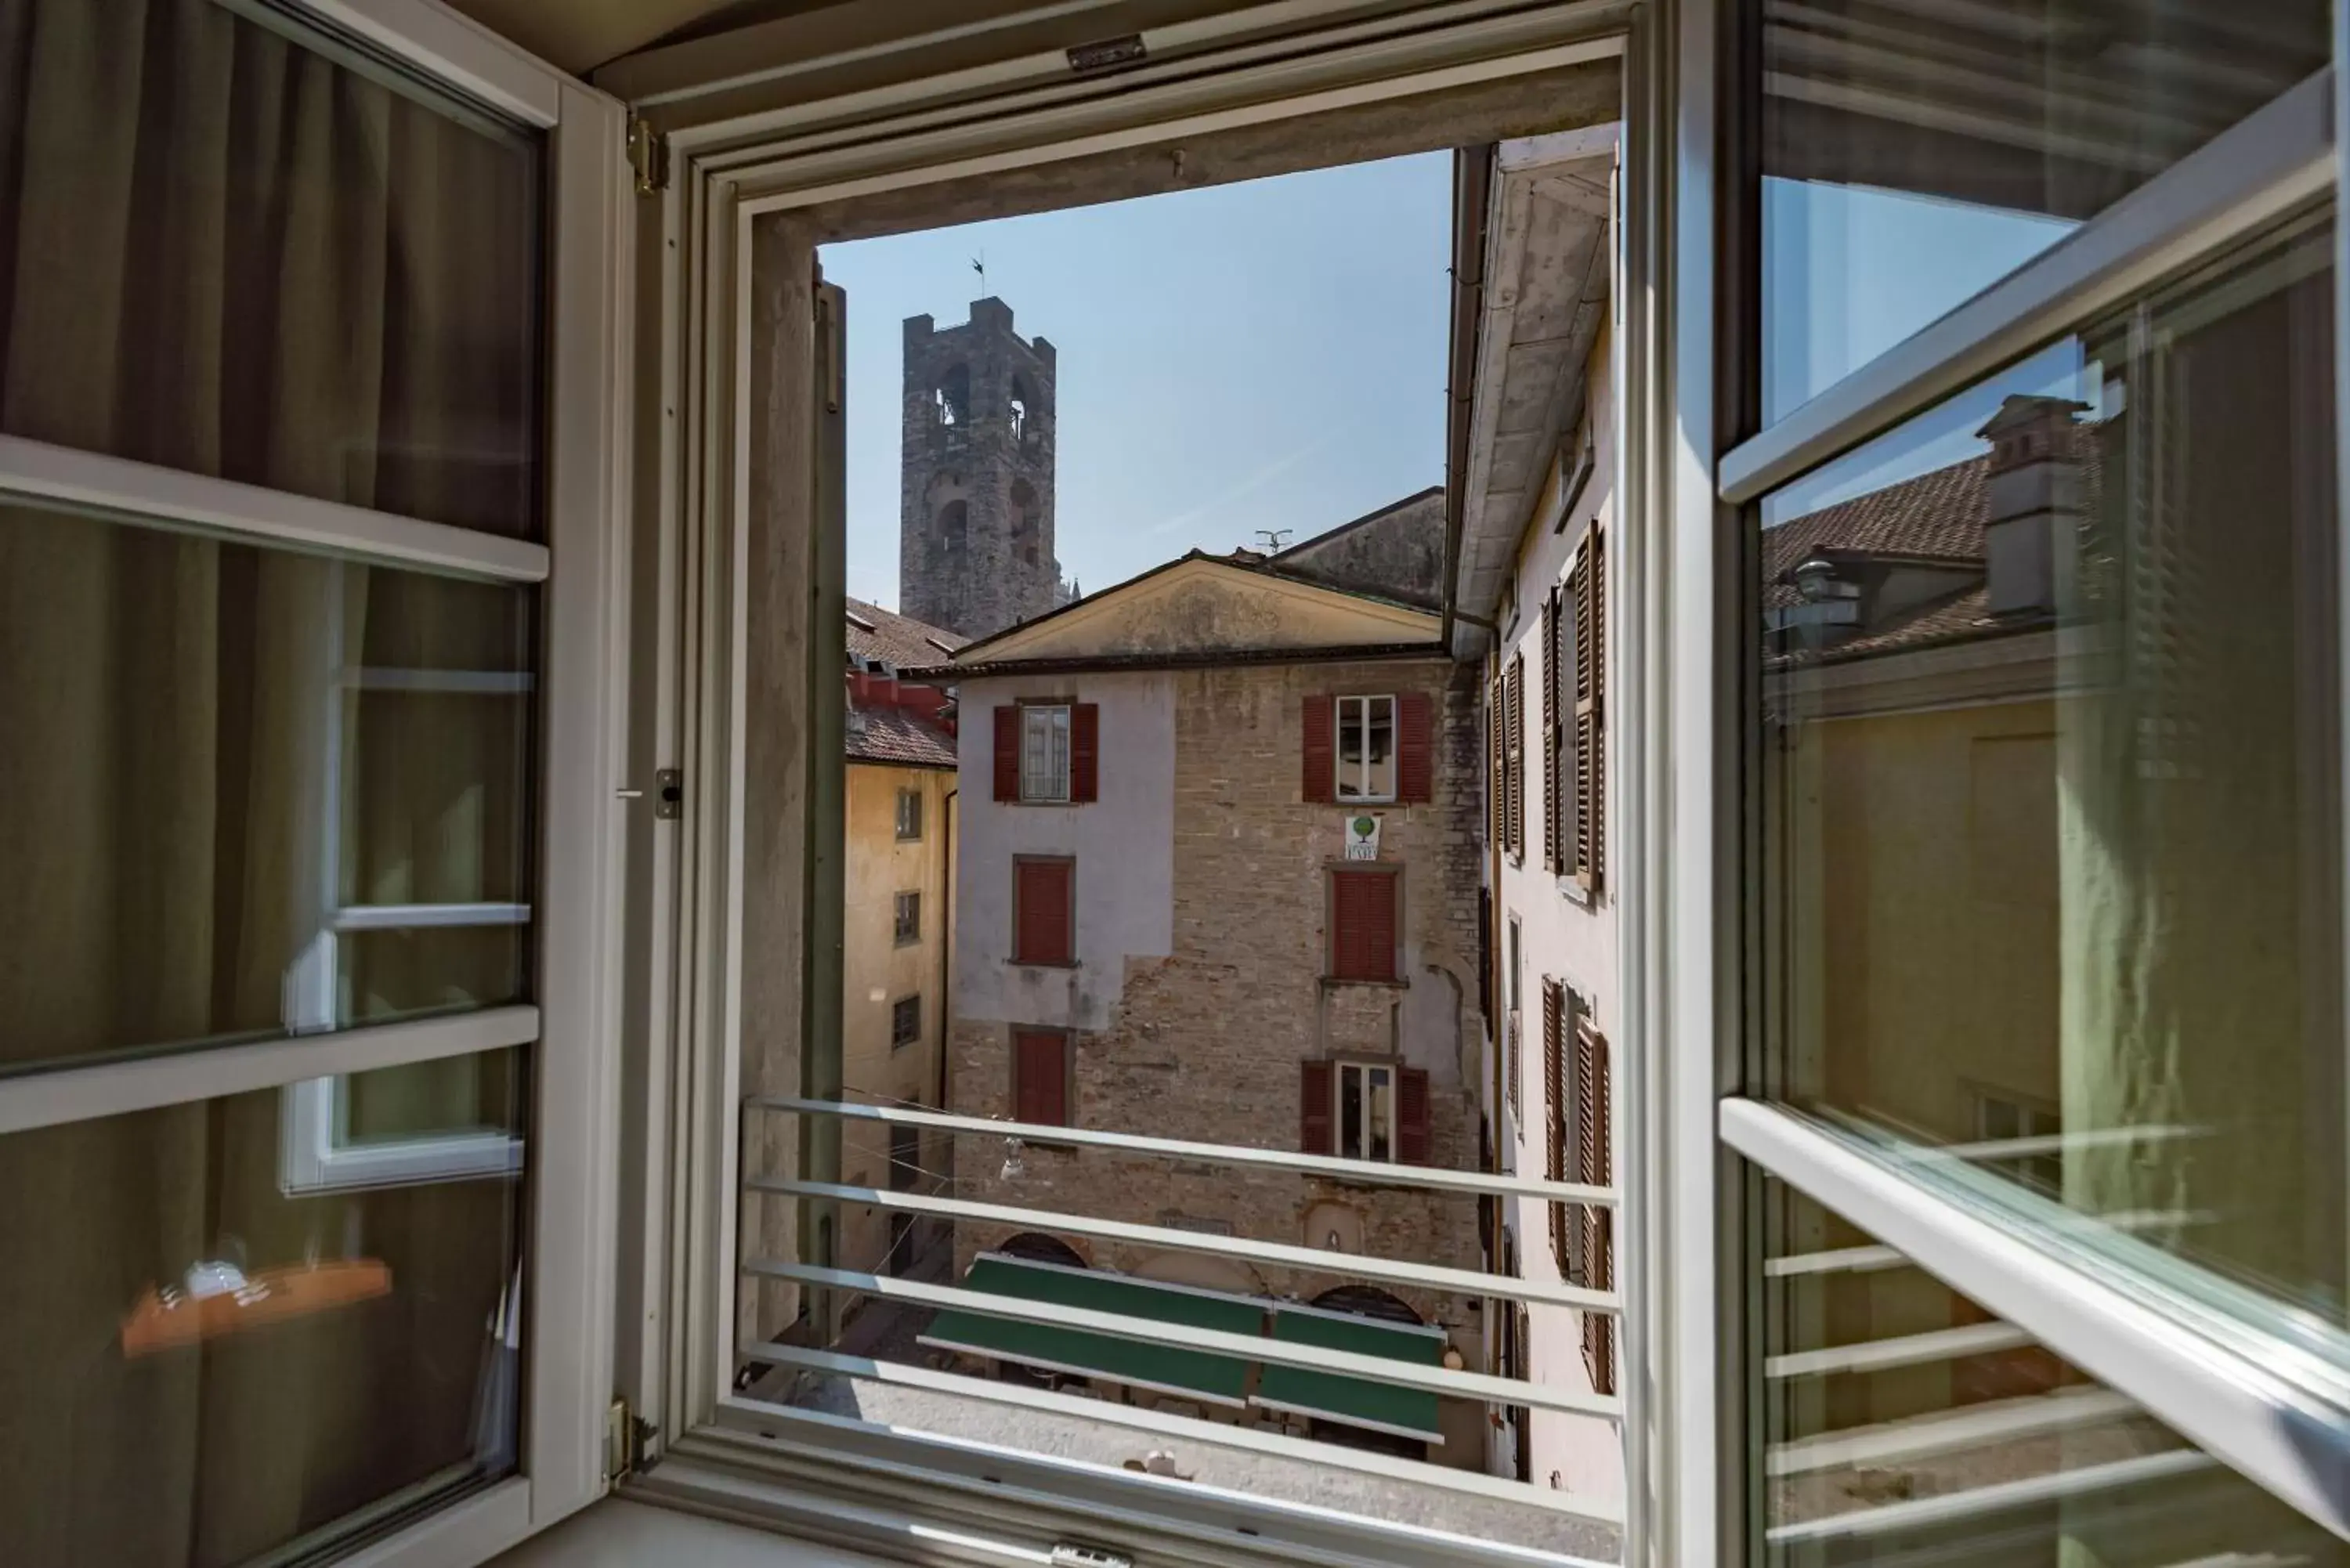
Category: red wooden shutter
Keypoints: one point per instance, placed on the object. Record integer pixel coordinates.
(1496, 766)
(1415, 749)
(1319, 780)
(1040, 1076)
(1044, 912)
(1411, 1116)
(1314, 1107)
(1085, 751)
(1590, 587)
(1596, 1166)
(1007, 751)
(1515, 739)
(1362, 925)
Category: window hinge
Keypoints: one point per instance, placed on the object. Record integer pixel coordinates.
(648, 155)
(626, 1441)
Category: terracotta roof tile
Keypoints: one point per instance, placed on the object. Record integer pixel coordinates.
(902, 639)
(895, 736)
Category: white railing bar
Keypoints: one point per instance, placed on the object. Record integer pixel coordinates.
(1475, 1483)
(169, 496)
(1243, 1346)
(1864, 1259)
(1921, 1437)
(2272, 161)
(1955, 1506)
(199, 1072)
(1361, 1173)
(2262, 1402)
(411, 917)
(1427, 1276)
(444, 682)
(1907, 1350)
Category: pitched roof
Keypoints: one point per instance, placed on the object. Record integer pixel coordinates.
(894, 736)
(901, 640)
(1937, 517)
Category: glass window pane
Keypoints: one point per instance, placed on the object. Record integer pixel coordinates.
(2052, 715)
(1912, 156)
(1905, 1424)
(233, 248)
(200, 1370)
(209, 750)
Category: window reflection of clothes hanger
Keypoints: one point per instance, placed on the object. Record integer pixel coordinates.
(219, 1298)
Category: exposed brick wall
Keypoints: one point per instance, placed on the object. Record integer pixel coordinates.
(1206, 1042)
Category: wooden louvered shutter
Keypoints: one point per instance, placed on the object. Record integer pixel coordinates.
(1411, 1116)
(1415, 749)
(1596, 1167)
(1555, 1111)
(1085, 751)
(1496, 764)
(1514, 738)
(1318, 781)
(1552, 847)
(1040, 1076)
(1590, 587)
(1043, 912)
(1362, 925)
(1007, 751)
(1314, 1111)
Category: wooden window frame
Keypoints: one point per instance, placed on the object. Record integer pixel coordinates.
(902, 932)
(1330, 883)
(900, 1041)
(910, 823)
(1019, 924)
(1394, 791)
(1068, 1040)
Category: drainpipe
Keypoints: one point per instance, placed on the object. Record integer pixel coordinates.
(1472, 177)
(946, 947)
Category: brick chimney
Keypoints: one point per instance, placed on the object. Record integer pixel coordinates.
(2032, 504)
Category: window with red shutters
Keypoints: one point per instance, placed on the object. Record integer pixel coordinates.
(1085, 752)
(1044, 910)
(1415, 749)
(1007, 751)
(1363, 925)
(1041, 1066)
(1318, 781)
(1314, 1107)
(1411, 1116)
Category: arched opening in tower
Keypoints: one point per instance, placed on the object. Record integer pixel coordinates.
(952, 395)
(953, 531)
(1024, 413)
(1027, 525)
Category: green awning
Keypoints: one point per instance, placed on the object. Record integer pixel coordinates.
(1169, 1368)
(1381, 1406)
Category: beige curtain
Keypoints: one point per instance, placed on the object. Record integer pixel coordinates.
(222, 253)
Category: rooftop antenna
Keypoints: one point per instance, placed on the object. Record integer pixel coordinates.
(1274, 538)
(979, 265)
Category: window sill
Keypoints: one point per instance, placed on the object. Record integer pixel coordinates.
(1042, 964)
(1576, 893)
(1331, 981)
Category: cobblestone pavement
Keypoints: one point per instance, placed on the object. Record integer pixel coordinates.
(1071, 1437)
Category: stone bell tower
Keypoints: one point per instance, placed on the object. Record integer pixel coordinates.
(975, 480)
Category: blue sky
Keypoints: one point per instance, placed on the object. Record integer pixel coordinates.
(1263, 355)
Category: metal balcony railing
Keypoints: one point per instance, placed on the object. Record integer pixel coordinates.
(1272, 1352)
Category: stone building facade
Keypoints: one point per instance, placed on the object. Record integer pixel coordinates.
(975, 476)
(1201, 999)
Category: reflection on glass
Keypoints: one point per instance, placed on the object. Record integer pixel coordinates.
(1905, 1424)
(1911, 158)
(201, 1370)
(223, 763)
(238, 253)
(2054, 793)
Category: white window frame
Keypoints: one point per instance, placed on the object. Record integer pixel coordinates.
(726, 175)
(1044, 725)
(1358, 711)
(1362, 1068)
(566, 1297)
(909, 813)
(2260, 1403)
